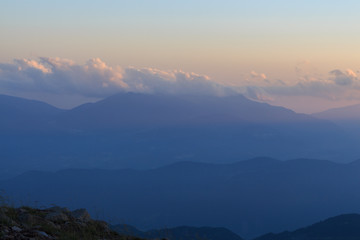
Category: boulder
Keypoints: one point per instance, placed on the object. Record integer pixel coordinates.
(16, 229)
(81, 215)
(57, 217)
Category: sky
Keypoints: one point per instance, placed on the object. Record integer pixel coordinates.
(303, 55)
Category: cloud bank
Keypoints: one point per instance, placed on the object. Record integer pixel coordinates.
(336, 85)
(95, 79)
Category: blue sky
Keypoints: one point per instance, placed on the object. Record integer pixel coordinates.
(108, 29)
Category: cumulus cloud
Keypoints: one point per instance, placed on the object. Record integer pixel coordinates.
(338, 84)
(172, 82)
(258, 76)
(96, 79)
(343, 78)
(61, 76)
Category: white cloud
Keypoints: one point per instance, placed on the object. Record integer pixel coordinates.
(256, 75)
(344, 85)
(96, 79)
(171, 82)
(343, 78)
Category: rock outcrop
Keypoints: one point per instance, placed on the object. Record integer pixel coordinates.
(54, 223)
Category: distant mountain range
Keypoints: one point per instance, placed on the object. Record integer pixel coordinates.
(342, 227)
(147, 110)
(250, 197)
(179, 233)
(343, 113)
(145, 131)
(348, 118)
(20, 115)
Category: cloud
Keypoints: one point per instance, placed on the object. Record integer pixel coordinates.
(172, 82)
(60, 76)
(338, 84)
(256, 75)
(343, 78)
(96, 79)
(256, 93)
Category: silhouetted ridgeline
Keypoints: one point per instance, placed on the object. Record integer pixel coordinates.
(250, 197)
(179, 233)
(343, 227)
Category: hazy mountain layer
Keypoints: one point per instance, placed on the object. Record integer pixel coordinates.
(179, 233)
(343, 113)
(348, 118)
(20, 115)
(145, 131)
(250, 197)
(342, 227)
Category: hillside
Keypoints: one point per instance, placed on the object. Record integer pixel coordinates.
(27, 223)
(342, 227)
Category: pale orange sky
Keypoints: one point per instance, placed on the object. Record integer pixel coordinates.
(226, 40)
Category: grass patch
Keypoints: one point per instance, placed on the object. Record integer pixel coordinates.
(33, 211)
(11, 213)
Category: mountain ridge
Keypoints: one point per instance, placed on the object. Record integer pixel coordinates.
(341, 227)
(256, 197)
(132, 130)
(179, 233)
(351, 112)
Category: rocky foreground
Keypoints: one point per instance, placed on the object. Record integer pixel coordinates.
(54, 223)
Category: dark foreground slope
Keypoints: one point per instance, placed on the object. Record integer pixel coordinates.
(179, 233)
(342, 227)
(249, 197)
(53, 223)
(25, 223)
